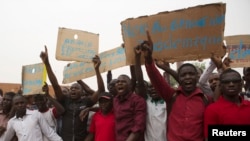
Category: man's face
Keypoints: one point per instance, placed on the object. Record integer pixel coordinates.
(122, 85)
(7, 101)
(65, 91)
(188, 78)
(111, 87)
(152, 92)
(75, 91)
(40, 103)
(105, 105)
(213, 81)
(231, 84)
(20, 104)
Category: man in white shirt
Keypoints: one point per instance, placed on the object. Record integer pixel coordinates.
(28, 125)
(156, 116)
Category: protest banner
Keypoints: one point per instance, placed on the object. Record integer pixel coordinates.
(110, 60)
(76, 45)
(181, 35)
(238, 48)
(33, 78)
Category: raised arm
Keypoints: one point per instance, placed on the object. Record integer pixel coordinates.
(203, 80)
(101, 88)
(53, 80)
(221, 66)
(109, 76)
(59, 108)
(133, 77)
(157, 80)
(166, 67)
(140, 86)
(86, 88)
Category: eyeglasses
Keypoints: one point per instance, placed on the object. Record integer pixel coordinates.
(230, 80)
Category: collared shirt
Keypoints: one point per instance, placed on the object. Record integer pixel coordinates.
(130, 115)
(225, 112)
(31, 127)
(50, 117)
(156, 120)
(185, 121)
(103, 126)
(73, 129)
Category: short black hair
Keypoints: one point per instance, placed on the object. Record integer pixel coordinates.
(229, 70)
(21, 96)
(185, 65)
(11, 94)
(124, 75)
(39, 96)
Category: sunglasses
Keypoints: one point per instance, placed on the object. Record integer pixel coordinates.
(231, 80)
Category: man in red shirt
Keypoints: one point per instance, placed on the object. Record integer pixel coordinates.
(130, 112)
(185, 121)
(230, 108)
(102, 126)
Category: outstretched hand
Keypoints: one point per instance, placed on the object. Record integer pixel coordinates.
(97, 62)
(83, 113)
(217, 60)
(45, 88)
(138, 50)
(147, 47)
(162, 64)
(44, 55)
(225, 64)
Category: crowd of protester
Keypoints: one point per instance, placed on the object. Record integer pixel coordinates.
(131, 109)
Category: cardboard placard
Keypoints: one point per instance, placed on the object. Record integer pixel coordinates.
(181, 35)
(77, 71)
(110, 60)
(76, 45)
(33, 78)
(238, 48)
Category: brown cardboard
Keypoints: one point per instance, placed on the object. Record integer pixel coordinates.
(77, 71)
(238, 48)
(181, 35)
(33, 78)
(76, 45)
(110, 60)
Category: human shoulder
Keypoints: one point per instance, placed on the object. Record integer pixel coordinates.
(214, 107)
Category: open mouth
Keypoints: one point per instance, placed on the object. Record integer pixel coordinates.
(73, 94)
(188, 84)
(153, 93)
(120, 89)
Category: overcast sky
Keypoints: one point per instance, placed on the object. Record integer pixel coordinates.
(27, 25)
